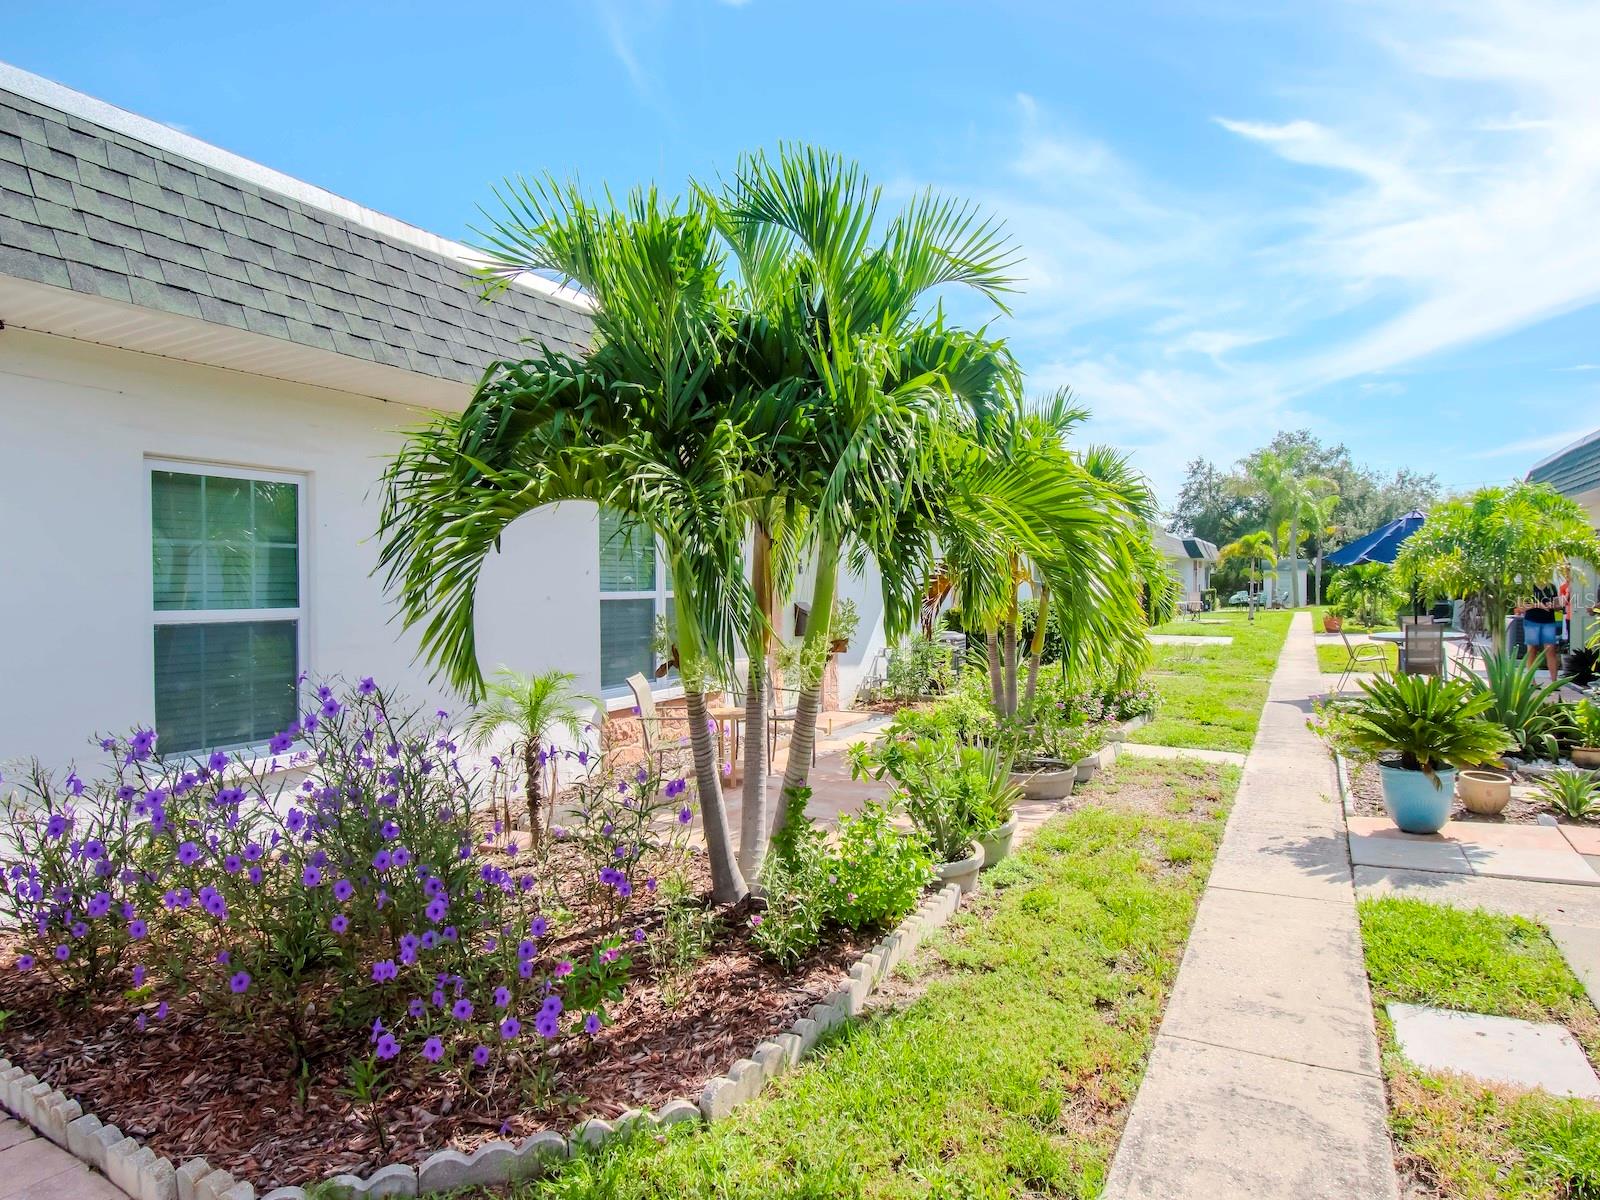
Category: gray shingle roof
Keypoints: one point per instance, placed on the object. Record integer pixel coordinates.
(1573, 470)
(86, 207)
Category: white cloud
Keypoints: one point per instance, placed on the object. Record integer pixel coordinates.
(1529, 448)
(1440, 194)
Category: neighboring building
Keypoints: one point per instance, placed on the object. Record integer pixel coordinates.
(203, 367)
(1190, 562)
(1575, 472)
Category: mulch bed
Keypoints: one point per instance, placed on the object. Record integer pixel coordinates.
(1366, 790)
(191, 1087)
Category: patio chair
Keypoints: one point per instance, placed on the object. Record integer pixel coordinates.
(780, 713)
(1360, 652)
(1423, 652)
(652, 737)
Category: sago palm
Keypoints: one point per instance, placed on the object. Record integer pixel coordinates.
(531, 708)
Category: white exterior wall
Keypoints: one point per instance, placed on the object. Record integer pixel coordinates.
(78, 424)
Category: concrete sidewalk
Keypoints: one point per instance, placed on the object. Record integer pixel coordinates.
(32, 1168)
(1264, 1082)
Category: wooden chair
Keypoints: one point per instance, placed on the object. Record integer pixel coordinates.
(1360, 652)
(1423, 653)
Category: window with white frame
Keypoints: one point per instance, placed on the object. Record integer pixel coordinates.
(228, 604)
(634, 589)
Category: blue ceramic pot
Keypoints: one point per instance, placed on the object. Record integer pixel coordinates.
(1416, 803)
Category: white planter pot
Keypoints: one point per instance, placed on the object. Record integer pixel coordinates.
(1087, 766)
(997, 843)
(964, 874)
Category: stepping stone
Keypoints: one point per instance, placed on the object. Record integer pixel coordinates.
(1375, 842)
(1190, 639)
(1541, 866)
(1499, 1049)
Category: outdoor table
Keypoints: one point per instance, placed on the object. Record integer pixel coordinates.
(730, 727)
(1398, 637)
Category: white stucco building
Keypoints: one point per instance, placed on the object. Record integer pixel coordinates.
(203, 367)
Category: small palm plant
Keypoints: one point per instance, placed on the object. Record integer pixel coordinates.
(1571, 793)
(1427, 722)
(1364, 591)
(532, 707)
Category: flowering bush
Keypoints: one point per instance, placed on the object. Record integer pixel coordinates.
(340, 880)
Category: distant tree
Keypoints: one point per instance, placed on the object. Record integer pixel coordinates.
(1210, 507)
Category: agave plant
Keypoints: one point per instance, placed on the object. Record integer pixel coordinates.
(1530, 712)
(1571, 793)
(1428, 722)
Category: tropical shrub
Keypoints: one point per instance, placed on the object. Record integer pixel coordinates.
(1571, 793)
(1427, 722)
(1529, 711)
(918, 667)
(1364, 592)
(952, 793)
(343, 880)
(1584, 717)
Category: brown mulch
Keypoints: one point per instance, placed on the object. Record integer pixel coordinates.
(1366, 790)
(192, 1086)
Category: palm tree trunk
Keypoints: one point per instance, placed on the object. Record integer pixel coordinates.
(1277, 563)
(1036, 648)
(727, 882)
(530, 767)
(997, 691)
(753, 818)
(1011, 667)
(813, 664)
(1294, 563)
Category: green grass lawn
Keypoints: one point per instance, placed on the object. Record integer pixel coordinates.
(1462, 1138)
(1211, 696)
(1332, 658)
(1008, 1067)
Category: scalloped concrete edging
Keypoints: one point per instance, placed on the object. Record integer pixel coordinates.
(144, 1175)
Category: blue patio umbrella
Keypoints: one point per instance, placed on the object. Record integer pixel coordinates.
(1381, 545)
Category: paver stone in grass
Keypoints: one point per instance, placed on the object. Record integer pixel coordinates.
(1499, 1049)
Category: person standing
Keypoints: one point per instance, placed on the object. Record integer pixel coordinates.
(1541, 629)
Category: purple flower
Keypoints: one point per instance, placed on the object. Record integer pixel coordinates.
(563, 968)
(240, 983)
(331, 707)
(252, 852)
(433, 1049)
(188, 854)
(538, 927)
(280, 742)
(384, 971)
(502, 997)
(389, 830)
(141, 744)
(547, 1025)
(232, 864)
(58, 826)
(509, 1028)
(480, 1056)
(137, 928)
(399, 856)
(218, 761)
(462, 1009)
(387, 1047)
(162, 1010)
(381, 861)
(526, 949)
(340, 923)
(295, 820)
(684, 815)
(25, 962)
(437, 908)
(311, 877)
(62, 953)
(366, 687)
(343, 890)
(591, 1024)
(138, 976)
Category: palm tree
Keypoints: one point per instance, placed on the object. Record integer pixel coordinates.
(532, 707)
(1253, 549)
(1319, 512)
(803, 225)
(1278, 478)
(1365, 590)
(649, 424)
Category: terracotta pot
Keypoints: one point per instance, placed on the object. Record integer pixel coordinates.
(1586, 756)
(964, 873)
(1484, 792)
(1331, 623)
(1046, 782)
(997, 843)
(839, 645)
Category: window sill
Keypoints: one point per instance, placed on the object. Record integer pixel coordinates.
(623, 701)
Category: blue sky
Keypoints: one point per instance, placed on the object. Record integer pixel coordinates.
(1376, 218)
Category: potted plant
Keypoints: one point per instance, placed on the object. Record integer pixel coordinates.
(1585, 715)
(845, 620)
(1421, 729)
(945, 791)
(994, 805)
(1333, 619)
(1045, 765)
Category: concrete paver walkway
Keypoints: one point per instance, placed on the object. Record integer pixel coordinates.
(1264, 1081)
(32, 1168)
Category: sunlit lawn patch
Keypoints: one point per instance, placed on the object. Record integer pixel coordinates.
(1211, 696)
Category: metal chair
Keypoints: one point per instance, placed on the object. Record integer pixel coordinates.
(1423, 653)
(656, 745)
(1360, 652)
